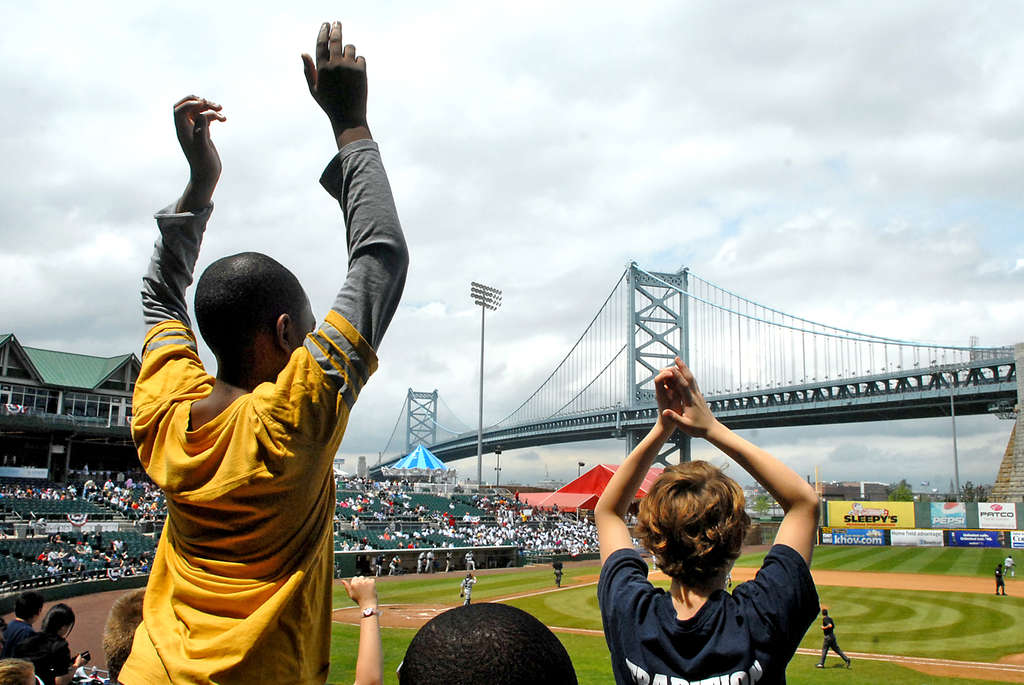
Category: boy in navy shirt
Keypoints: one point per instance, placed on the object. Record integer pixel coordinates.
(693, 521)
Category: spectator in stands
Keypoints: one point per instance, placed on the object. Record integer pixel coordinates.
(48, 649)
(17, 672)
(486, 643)
(27, 608)
(262, 435)
(693, 520)
(124, 617)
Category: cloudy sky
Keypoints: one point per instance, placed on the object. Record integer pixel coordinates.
(856, 164)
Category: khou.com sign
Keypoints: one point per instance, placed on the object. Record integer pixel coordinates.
(1001, 515)
(853, 536)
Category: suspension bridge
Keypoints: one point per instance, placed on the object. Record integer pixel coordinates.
(757, 366)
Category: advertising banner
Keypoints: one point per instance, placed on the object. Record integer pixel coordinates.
(916, 537)
(1017, 539)
(949, 515)
(874, 514)
(853, 536)
(997, 515)
(975, 538)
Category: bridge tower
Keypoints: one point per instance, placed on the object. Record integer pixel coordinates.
(658, 320)
(420, 419)
(1009, 485)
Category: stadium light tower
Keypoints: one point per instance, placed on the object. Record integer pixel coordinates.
(486, 298)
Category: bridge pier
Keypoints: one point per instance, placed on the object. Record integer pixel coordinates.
(1009, 485)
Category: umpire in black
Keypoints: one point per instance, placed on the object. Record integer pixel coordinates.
(828, 626)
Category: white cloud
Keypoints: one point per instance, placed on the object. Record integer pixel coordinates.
(857, 165)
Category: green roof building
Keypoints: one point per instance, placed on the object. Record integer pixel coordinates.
(63, 412)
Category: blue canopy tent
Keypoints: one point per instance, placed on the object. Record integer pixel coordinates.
(420, 464)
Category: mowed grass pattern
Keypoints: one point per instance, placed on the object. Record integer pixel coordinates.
(941, 625)
(932, 560)
(918, 623)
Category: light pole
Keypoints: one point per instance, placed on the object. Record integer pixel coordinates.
(952, 415)
(497, 465)
(486, 298)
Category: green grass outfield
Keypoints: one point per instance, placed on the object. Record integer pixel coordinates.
(964, 561)
(969, 627)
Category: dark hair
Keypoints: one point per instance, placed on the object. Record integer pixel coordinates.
(59, 616)
(124, 617)
(239, 297)
(824, 612)
(28, 605)
(495, 644)
(693, 521)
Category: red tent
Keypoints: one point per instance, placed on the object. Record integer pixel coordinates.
(583, 492)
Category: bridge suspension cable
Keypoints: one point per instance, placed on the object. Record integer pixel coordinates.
(734, 345)
(588, 371)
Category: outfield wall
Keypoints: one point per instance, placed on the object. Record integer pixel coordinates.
(859, 514)
(920, 537)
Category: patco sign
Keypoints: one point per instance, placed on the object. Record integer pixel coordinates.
(998, 515)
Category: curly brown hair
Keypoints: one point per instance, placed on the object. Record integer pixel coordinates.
(693, 521)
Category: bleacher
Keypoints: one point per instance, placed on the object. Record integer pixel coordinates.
(30, 507)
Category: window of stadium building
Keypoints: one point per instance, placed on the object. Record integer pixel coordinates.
(41, 400)
(86, 405)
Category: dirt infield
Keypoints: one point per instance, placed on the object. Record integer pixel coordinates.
(1010, 669)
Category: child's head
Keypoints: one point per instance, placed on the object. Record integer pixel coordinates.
(486, 643)
(253, 313)
(693, 521)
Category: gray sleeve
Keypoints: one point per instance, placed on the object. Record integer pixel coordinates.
(170, 268)
(377, 255)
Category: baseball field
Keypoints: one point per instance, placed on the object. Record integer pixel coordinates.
(904, 615)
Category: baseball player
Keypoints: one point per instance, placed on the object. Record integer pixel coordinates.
(828, 626)
(1000, 582)
(466, 589)
(1009, 565)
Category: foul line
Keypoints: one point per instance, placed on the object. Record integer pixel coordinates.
(924, 661)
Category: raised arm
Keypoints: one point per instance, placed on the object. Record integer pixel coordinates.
(795, 495)
(370, 660)
(610, 511)
(378, 258)
(183, 223)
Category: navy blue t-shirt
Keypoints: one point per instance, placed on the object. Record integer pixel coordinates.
(15, 632)
(753, 632)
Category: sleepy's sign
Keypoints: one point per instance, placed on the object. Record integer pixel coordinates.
(871, 514)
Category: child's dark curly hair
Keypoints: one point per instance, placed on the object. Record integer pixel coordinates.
(693, 521)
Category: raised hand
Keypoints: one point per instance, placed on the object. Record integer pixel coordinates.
(362, 590)
(337, 81)
(192, 117)
(684, 405)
